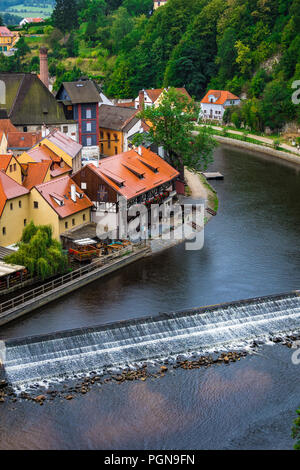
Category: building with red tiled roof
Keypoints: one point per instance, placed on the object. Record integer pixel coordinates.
(214, 103)
(31, 20)
(136, 175)
(10, 165)
(36, 173)
(7, 39)
(61, 203)
(18, 142)
(151, 97)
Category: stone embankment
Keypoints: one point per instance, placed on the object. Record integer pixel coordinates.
(258, 148)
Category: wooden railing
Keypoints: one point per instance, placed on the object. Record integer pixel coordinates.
(62, 281)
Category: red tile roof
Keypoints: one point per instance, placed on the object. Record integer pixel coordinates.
(58, 170)
(64, 142)
(42, 153)
(9, 189)
(7, 126)
(35, 173)
(4, 31)
(59, 189)
(4, 161)
(22, 140)
(221, 95)
(154, 94)
(122, 172)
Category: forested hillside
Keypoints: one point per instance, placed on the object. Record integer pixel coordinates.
(250, 47)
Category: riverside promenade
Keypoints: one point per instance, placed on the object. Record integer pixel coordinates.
(47, 292)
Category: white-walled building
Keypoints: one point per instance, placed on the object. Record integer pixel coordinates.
(215, 102)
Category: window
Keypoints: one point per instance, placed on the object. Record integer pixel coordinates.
(83, 185)
(25, 222)
(35, 204)
(65, 129)
(11, 206)
(116, 150)
(88, 113)
(73, 221)
(88, 141)
(88, 126)
(101, 134)
(15, 166)
(3, 231)
(66, 224)
(20, 203)
(83, 217)
(101, 148)
(116, 137)
(108, 137)
(25, 129)
(10, 168)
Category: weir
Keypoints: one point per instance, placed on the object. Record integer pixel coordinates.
(201, 329)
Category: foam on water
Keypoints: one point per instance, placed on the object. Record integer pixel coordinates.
(120, 344)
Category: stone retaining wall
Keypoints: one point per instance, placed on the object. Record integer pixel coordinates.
(258, 148)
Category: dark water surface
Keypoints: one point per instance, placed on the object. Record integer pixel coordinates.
(251, 248)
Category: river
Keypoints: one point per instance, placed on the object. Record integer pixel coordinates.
(251, 248)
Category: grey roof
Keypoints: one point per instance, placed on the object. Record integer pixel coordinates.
(5, 252)
(29, 102)
(82, 91)
(115, 117)
(87, 230)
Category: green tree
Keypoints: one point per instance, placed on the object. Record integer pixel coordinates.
(276, 105)
(22, 47)
(296, 431)
(172, 126)
(39, 252)
(121, 26)
(65, 15)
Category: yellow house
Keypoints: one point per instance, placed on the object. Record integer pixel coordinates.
(61, 203)
(112, 126)
(56, 147)
(7, 39)
(14, 209)
(10, 165)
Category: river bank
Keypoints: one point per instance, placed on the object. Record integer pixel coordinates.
(251, 249)
(258, 148)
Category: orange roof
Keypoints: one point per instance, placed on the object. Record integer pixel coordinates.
(22, 140)
(4, 161)
(129, 104)
(7, 126)
(9, 189)
(57, 193)
(4, 31)
(57, 170)
(43, 153)
(221, 95)
(131, 174)
(35, 173)
(154, 94)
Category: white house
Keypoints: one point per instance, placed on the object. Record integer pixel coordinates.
(215, 102)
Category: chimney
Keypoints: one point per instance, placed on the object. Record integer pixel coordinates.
(140, 150)
(73, 192)
(44, 73)
(141, 100)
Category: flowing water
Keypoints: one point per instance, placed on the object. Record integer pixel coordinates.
(252, 248)
(84, 350)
